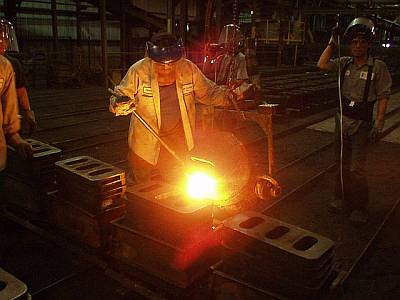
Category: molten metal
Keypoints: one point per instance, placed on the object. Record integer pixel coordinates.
(201, 185)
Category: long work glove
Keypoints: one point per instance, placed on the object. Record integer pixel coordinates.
(121, 105)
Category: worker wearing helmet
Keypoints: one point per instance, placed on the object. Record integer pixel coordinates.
(9, 121)
(8, 50)
(364, 82)
(231, 67)
(163, 88)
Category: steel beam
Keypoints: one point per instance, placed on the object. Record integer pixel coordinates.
(54, 24)
(103, 25)
(393, 11)
(78, 23)
(183, 19)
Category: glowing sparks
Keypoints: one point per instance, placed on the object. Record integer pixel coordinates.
(201, 186)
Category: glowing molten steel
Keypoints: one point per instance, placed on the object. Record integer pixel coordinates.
(201, 185)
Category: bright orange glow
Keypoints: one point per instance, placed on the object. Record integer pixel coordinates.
(197, 244)
(201, 185)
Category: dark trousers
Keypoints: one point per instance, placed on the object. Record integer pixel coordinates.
(355, 150)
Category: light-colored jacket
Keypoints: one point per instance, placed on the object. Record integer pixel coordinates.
(140, 83)
(9, 107)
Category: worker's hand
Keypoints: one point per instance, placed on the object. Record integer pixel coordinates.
(121, 106)
(29, 117)
(233, 97)
(336, 32)
(376, 131)
(24, 150)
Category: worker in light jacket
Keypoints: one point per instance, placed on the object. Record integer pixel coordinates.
(9, 121)
(163, 88)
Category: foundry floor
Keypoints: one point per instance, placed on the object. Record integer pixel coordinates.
(54, 272)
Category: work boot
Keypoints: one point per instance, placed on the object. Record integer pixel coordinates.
(358, 217)
(336, 206)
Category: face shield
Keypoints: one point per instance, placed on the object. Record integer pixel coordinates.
(361, 26)
(231, 36)
(8, 37)
(165, 48)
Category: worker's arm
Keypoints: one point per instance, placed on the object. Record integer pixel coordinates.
(26, 110)
(11, 124)
(23, 98)
(324, 61)
(122, 100)
(208, 92)
(22, 147)
(380, 113)
(383, 84)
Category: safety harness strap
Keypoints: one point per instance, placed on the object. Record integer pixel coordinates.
(359, 110)
(368, 83)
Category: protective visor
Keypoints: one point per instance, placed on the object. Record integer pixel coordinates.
(230, 34)
(8, 37)
(165, 54)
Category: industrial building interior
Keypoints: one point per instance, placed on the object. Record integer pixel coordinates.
(74, 224)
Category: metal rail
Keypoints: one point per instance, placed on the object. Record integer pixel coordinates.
(74, 124)
(70, 114)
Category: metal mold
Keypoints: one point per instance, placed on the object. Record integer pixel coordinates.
(251, 222)
(76, 161)
(277, 239)
(86, 167)
(90, 183)
(40, 170)
(106, 185)
(91, 229)
(247, 286)
(168, 210)
(277, 232)
(89, 170)
(179, 263)
(92, 202)
(264, 266)
(11, 287)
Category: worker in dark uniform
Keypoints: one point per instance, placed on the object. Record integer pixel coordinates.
(163, 88)
(365, 81)
(9, 120)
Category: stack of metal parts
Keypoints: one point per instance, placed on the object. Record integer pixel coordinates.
(90, 196)
(11, 287)
(32, 179)
(165, 235)
(278, 257)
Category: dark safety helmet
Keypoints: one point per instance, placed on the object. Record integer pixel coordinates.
(361, 26)
(165, 48)
(8, 37)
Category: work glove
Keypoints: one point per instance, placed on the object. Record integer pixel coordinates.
(24, 150)
(376, 131)
(121, 105)
(233, 97)
(29, 117)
